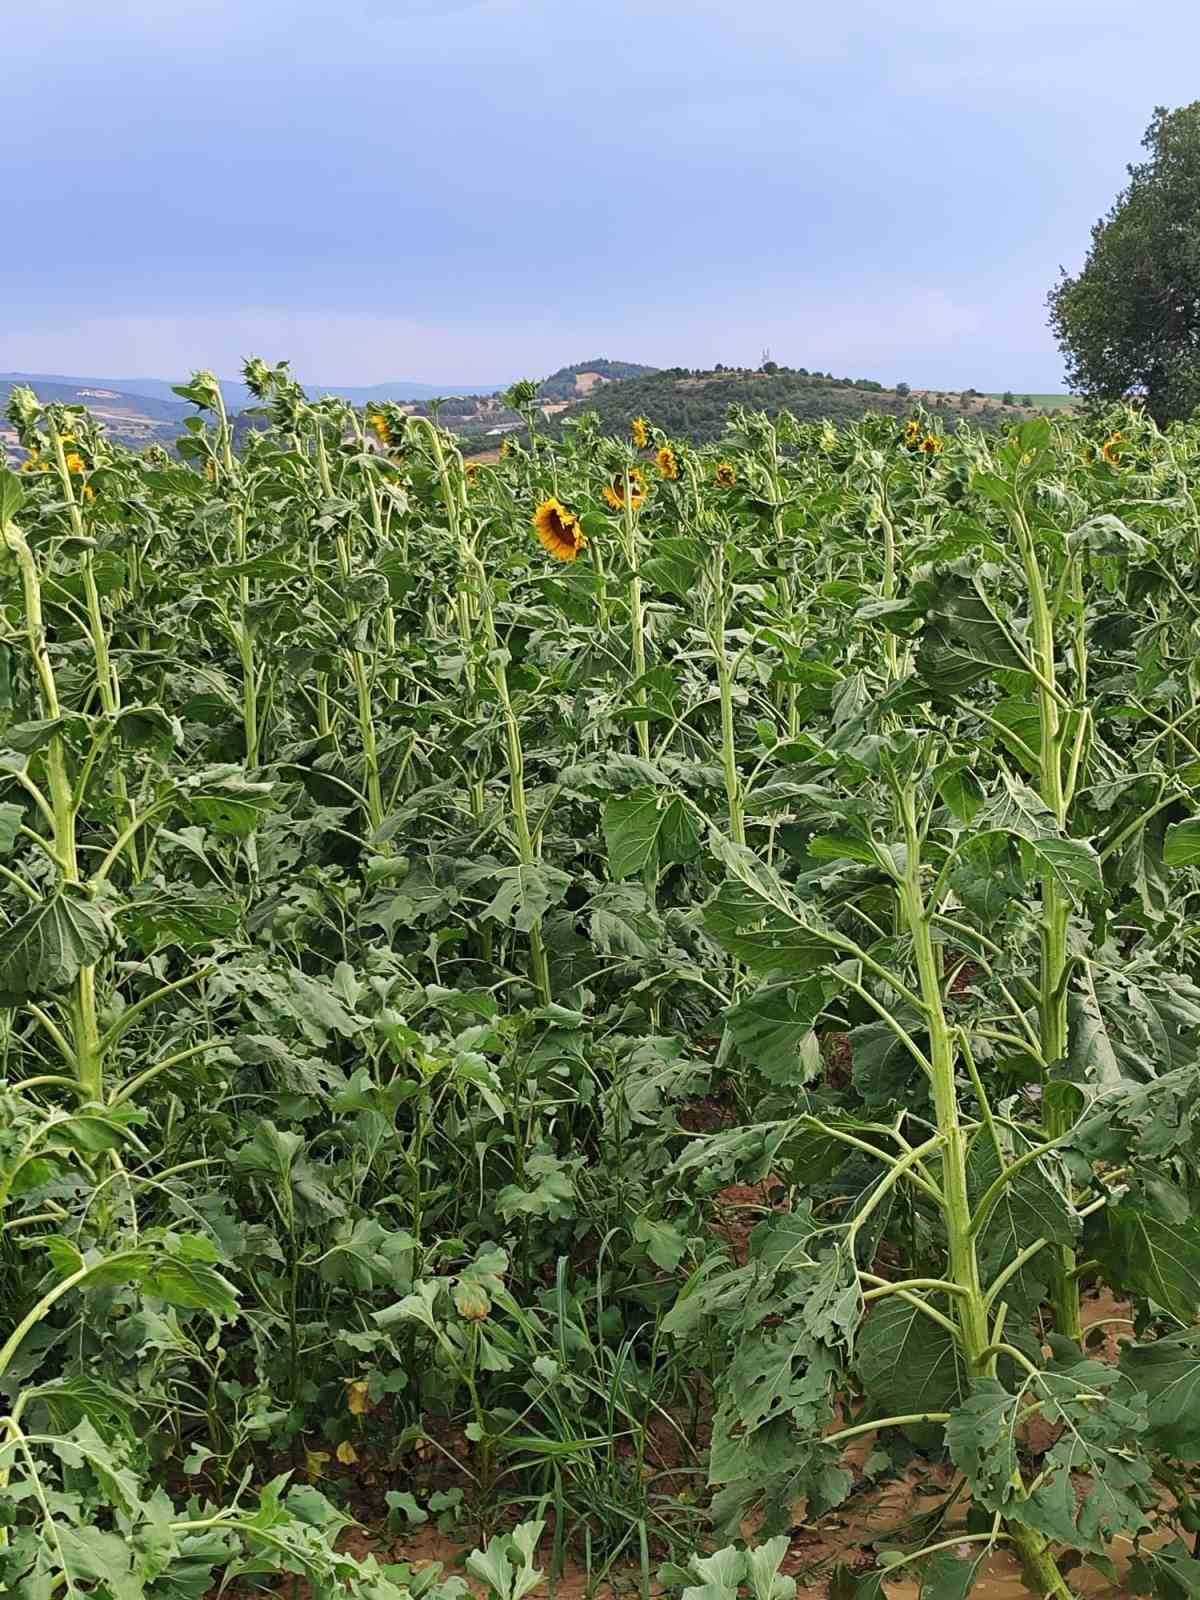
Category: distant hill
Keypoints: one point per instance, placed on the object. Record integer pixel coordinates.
(133, 419)
(237, 396)
(689, 404)
(568, 383)
(694, 404)
(141, 410)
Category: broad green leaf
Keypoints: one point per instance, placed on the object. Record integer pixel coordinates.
(962, 641)
(648, 829)
(1167, 1371)
(12, 496)
(674, 566)
(1181, 847)
(1018, 811)
(1030, 1207)
(952, 1574)
(1146, 1254)
(767, 934)
(225, 800)
(762, 1570)
(907, 1362)
(1097, 1415)
(526, 893)
(773, 1029)
(42, 951)
(11, 818)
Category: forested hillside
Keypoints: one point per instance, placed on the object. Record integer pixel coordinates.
(695, 404)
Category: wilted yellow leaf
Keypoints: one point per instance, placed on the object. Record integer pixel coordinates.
(346, 1453)
(358, 1397)
(314, 1463)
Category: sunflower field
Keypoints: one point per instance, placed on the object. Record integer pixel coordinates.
(629, 1007)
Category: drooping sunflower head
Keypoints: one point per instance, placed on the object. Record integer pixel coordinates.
(379, 426)
(668, 462)
(614, 492)
(932, 445)
(1111, 449)
(912, 433)
(726, 475)
(471, 472)
(558, 530)
(75, 462)
(640, 429)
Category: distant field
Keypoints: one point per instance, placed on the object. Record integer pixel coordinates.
(1044, 402)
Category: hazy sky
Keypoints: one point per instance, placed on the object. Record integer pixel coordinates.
(467, 190)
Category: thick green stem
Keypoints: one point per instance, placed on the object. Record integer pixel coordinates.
(891, 645)
(970, 1306)
(637, 616)
(956, 1210)
(86, 1053)
(243, 635)
(734, 795)
(1056, 907)
(527, 851)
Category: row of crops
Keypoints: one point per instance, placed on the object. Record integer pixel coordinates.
(641, 993)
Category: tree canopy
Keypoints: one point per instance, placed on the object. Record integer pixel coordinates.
(1129, 322)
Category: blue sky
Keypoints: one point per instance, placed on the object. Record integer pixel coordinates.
(467, 190)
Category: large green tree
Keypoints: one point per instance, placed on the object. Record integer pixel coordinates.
(1129, 322)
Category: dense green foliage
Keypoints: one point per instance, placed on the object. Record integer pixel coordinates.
(695, 405)
(408, 939)
(1129, 321)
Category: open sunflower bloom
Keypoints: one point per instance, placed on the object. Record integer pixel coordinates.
(558, 530)
(668, 463)
(726, 476)
(640, 429)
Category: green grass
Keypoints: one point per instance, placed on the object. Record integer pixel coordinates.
(1044, 402)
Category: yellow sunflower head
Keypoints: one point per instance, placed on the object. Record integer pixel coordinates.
(558, 530)
(726, 477)
(472, 472)
(75, 462)
(614, 492)
(378, 425)
(932, 445)
(641, 432)
(668, 462)
(912, 433)
(506, 449)
(1111, 449)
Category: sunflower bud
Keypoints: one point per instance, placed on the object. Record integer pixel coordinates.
(472, 1302)
(521, 395)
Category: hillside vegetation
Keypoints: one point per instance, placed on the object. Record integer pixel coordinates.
(569, 382)
(694, 405)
